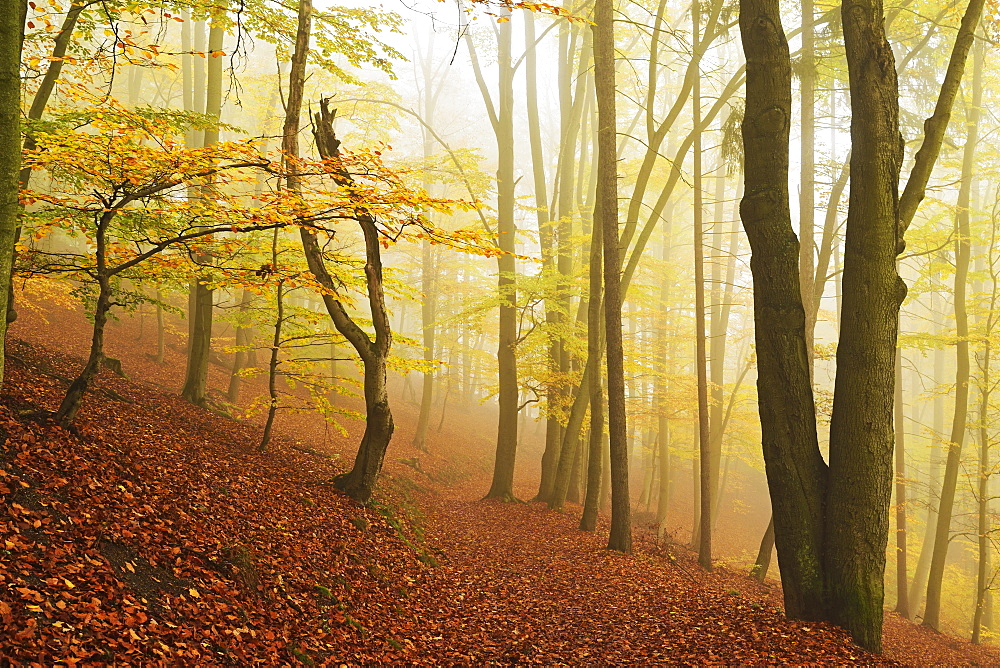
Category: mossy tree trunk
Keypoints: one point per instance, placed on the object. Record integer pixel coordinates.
(11, 37)
(796, 472)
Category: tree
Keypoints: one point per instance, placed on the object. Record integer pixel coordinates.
(963, 258)
(796, 472)
(708, 471)
(606, 218)
(502, 120)
(831, 524)
(202, 298)
(11, 36)
(124, 194)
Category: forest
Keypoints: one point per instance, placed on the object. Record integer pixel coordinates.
(586, 332)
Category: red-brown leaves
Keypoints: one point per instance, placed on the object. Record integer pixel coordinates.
(159, 538)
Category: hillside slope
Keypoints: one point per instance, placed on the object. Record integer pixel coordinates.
(159, 536)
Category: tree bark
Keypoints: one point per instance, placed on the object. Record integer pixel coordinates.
(71, 401)
(708, 474)
(591, 506)
(11, 37)
(359, 482)
(807, 166)
(243, 337)
(272, 365)
(428, 270)
(200, 341)
(502, 120)
(606, 218)
(861, 435)
(796, 472)
(763, 562)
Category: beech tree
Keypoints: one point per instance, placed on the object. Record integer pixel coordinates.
(831, 521)
(124, 194)
(11, 34)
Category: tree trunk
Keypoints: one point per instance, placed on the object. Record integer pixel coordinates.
(763, 562)
(807, 163)
(861, 435)
(796, 473)
(243, 337)
(963, 251)
(606, 218)
(553, 393)
(902, 594)
(707, 477)
(73, 398)
(272, 366)
(664, 357)
(11, 36)
(918, 586)
(427, 308)
(984, 547)
(428, 270)
(502, 120)
(160, 329)
(588, 522)
(71, 401)
(359, 482)
(200, 341)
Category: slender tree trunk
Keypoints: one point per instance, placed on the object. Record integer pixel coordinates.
(73, 398)
(428, 270)
(160, 329)
(272, 366)
(606, 218)
(502, 120)
(200, 341)
(588, 522)
(11, 36)
(983, 543)
(359, 482)
(918, 586)
(665, 357)
(963, 251)
(763, 562)
(427, 308)
(708, 476)
(807, 162)
(902, 594)
(985, 521)
(553, 428)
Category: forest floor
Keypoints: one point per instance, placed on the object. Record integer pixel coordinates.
(158, 535)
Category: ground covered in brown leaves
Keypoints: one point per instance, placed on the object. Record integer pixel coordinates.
(159, 536)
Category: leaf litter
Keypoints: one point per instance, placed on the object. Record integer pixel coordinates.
(158, 536)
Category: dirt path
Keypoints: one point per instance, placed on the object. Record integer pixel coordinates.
(518, 583)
